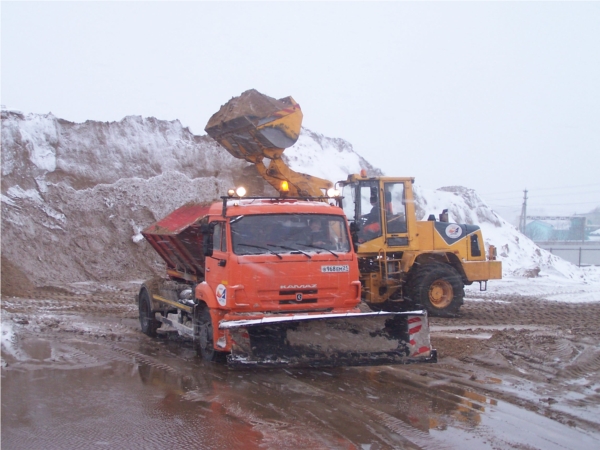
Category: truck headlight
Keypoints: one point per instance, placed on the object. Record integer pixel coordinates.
(331, 192)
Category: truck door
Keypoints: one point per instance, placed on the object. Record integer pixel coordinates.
(217, 275)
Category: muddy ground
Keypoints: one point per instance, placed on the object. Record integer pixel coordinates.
(514, 372)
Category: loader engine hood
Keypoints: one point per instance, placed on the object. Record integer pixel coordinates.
(453, 232)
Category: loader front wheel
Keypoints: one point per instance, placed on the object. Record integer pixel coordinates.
(148, 322)
(203, 329)
(437, 288)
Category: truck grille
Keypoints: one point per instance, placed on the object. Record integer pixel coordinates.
(304, 301)
(299, 291)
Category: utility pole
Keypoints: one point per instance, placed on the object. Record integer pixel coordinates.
(523, 220)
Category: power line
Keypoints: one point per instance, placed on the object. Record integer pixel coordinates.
(543, 189)
(567, 187)
(503, 198)
(594, 202)
(567, 193)
(546, 195)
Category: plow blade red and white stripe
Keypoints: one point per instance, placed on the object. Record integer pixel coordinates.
(328, 340)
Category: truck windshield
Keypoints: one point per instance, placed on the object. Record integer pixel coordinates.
(289, 233)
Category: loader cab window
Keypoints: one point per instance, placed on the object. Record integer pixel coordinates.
(349, 201)
(368, 208)
(394, 208)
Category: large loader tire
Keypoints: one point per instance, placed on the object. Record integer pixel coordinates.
(437, 288)
(148, 322)
(203, 328)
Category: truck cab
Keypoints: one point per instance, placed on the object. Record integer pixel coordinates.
(247, 257)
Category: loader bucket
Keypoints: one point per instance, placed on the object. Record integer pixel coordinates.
(330, 340)
(253, 126)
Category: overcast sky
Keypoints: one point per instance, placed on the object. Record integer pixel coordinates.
(497, 97)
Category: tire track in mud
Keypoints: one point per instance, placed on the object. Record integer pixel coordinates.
(523, 310)
(585, 363)
(68, 303)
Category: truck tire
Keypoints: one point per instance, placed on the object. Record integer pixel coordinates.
(203, 328)
(437, 288)
(148, 322)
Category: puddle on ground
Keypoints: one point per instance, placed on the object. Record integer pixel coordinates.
(89, 392)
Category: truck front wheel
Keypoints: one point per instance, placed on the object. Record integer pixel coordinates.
(203, 329)
(437, 288)
(147, 321)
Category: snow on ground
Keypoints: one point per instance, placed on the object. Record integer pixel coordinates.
(547, 286)
(7, 338)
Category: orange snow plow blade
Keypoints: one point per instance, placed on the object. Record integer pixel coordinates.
(330, 340)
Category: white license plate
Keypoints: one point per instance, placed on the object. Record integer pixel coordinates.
(333, 269)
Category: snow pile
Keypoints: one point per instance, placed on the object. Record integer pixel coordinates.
(76, 196)
(37, 149)
(520, 256)
(330, 158)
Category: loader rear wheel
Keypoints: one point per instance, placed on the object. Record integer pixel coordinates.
(437, 288)
(147, 320)
(203, 328)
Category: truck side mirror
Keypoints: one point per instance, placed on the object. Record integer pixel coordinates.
(207, 238)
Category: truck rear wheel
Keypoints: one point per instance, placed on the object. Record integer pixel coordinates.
(437, 288)
(203, 329)
(147, 320)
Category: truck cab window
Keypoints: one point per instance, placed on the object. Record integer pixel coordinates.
(219, 238)
(285, 233)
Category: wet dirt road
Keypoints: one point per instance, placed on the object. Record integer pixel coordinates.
(513, 372)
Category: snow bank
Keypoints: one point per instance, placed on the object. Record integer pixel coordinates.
(520, 256)
(75, 196)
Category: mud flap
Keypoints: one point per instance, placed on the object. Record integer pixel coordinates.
(329, 340)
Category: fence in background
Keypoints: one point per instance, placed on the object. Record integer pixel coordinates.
(579, 253)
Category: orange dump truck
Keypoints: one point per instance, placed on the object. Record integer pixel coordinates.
(269, 282)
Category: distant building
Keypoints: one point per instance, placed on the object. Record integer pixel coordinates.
(552, 228)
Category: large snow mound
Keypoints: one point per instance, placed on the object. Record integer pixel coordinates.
(520, 256)
(76, 195)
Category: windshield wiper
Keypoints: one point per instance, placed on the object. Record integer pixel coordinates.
(262, 248)
(292, 249)
(322, 248)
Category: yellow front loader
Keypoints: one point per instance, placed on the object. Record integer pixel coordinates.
(404, 263)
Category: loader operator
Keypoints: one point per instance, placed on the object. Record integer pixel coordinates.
(371, 222)
(373, 215)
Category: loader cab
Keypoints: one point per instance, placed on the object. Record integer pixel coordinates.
(377, 211)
